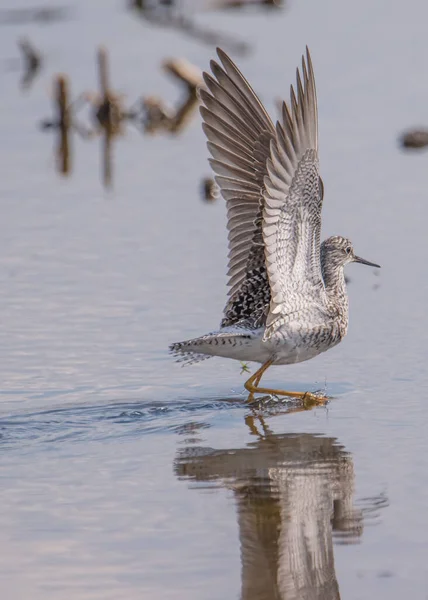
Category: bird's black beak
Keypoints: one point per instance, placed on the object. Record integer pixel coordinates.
(365, 262)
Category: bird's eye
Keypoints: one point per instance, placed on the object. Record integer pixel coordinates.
(348, 250)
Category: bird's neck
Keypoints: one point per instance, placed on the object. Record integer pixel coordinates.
(334, 278)
(335, 285)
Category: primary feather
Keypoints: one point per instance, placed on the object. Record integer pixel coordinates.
(239, 133)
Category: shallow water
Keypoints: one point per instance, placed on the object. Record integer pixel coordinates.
(125, 475)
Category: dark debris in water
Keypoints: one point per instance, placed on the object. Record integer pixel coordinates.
(210, 190)
(415, 139)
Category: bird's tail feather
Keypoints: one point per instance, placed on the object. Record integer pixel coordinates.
(186, 353)
(229, 342)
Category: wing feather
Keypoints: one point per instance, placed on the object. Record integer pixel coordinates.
(269, 177)
(222, 139)
(293, 197)
(239, 131)
(230, 157)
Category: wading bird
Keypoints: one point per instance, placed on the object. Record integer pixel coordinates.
(287, 298)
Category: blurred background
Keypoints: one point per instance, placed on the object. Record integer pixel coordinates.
(123, 474)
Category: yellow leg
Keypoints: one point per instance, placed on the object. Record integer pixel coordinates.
(254, 380)
(252, 386)
(257, 380)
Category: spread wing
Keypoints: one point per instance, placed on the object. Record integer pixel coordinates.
(239, 133)
(293, 197)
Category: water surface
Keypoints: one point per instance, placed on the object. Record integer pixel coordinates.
(125, 475)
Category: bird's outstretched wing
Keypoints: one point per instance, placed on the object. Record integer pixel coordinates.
(269, 178)
(239, 133)
(293, 195)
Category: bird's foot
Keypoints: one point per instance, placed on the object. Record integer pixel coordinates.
(310, 400)
(305, 401)
(263, 398)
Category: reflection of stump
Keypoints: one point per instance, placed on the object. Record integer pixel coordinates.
(108, 111)
(108, 114)
(192, 78)
(417, 138)
(184, 112)
(184, 71)
(61, 123)
(64, 124)
(158, 116)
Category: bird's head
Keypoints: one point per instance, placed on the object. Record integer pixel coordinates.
(341, 252)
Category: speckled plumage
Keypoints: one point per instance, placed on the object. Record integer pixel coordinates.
(287, 298)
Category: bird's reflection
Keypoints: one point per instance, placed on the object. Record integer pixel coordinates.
(293, 493)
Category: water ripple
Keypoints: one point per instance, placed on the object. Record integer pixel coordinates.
(114, 420)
